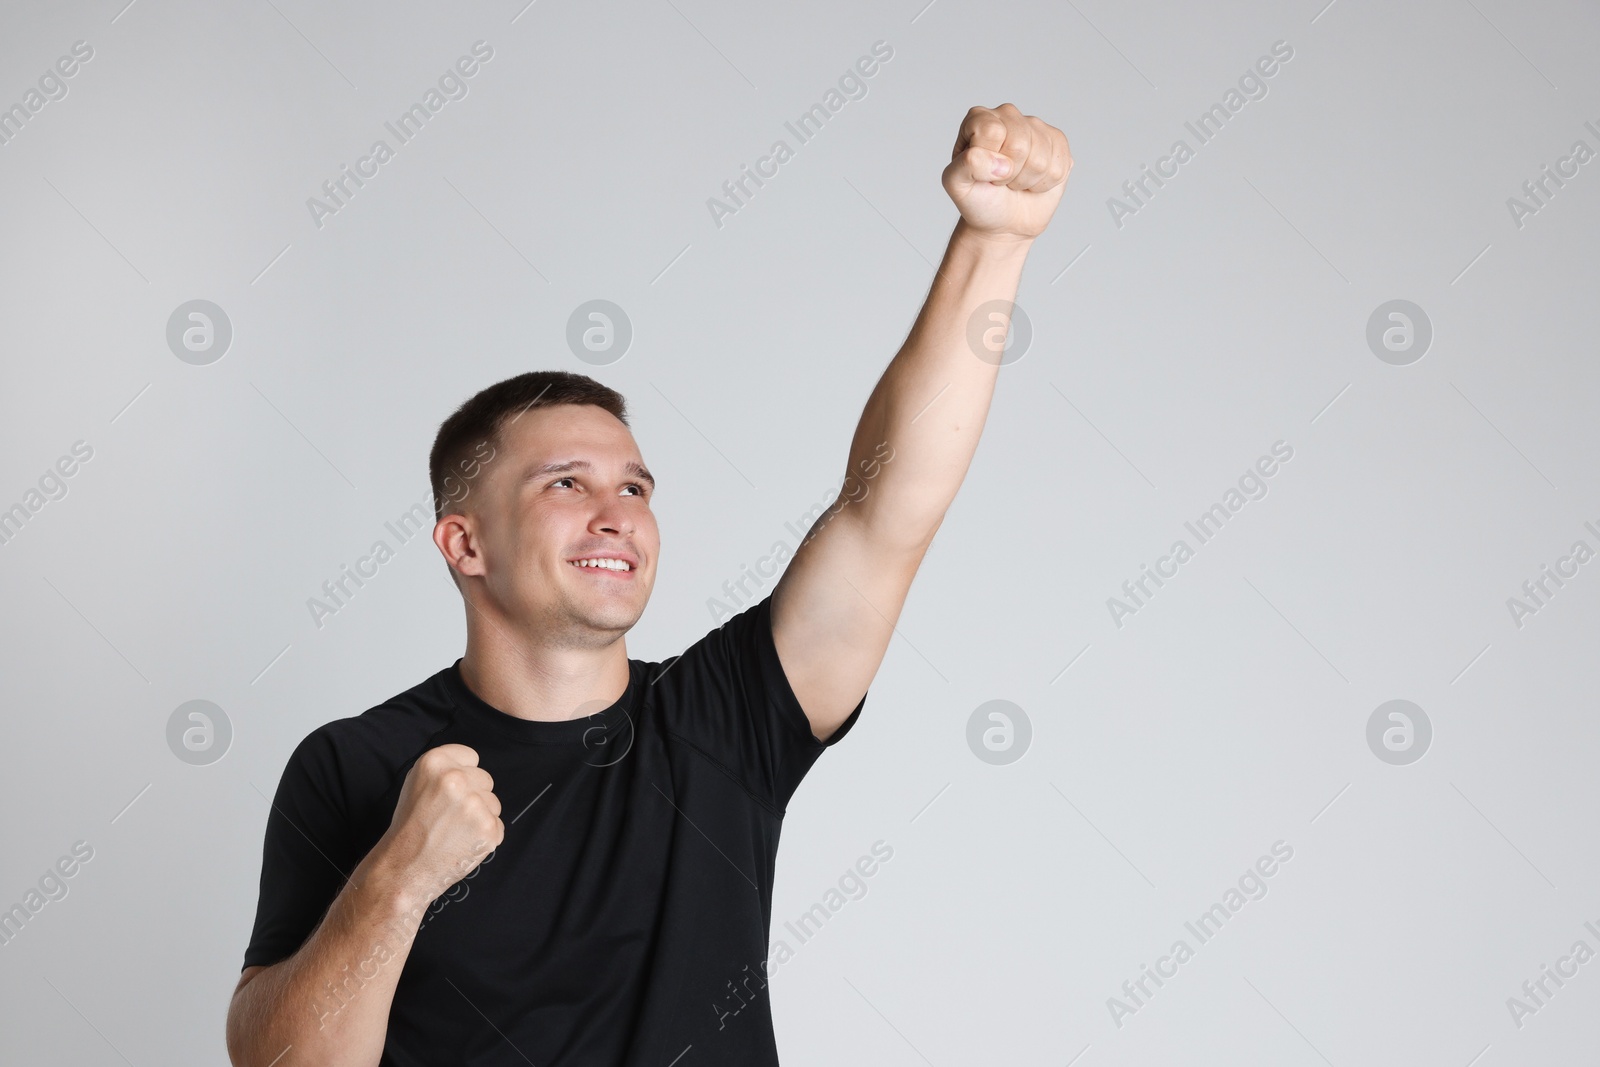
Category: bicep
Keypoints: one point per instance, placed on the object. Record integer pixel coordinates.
(834, 611)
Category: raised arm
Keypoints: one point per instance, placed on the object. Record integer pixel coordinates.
(835, 607)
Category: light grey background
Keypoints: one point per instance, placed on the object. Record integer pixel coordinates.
(1229, 313)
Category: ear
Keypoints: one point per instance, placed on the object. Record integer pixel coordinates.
(456, 537)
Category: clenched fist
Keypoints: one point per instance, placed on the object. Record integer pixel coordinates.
(1007, 172)
(446, 820)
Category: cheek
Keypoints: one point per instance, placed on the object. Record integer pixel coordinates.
(651, 540)
(540, 528)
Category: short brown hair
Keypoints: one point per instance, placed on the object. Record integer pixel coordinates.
(455, 457)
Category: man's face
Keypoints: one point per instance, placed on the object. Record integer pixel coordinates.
(566, 483)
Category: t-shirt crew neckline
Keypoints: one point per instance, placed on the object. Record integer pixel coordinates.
(588, 730)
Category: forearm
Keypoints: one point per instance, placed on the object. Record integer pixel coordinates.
(931, 402)
(329, 1002)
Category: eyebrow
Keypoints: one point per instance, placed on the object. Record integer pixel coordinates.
(567, 466)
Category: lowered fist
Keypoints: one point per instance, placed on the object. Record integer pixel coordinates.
(446, 821)
(1007, 172)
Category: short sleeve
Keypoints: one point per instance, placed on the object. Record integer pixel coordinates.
(307, 855)
(728, 695)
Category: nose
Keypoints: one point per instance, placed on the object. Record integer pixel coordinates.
(611, 517)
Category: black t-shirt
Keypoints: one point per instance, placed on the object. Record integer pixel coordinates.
(624, 919)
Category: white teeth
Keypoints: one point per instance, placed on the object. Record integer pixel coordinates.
(606, 564)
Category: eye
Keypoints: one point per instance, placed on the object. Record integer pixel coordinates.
(558, 481)
(635, 486)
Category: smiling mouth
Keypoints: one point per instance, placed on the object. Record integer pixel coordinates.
(619, 568)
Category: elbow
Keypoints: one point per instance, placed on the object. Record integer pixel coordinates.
(234, 1038)
(234, 1031)
(237, 1028)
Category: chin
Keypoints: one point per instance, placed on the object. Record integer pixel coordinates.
(613, 614)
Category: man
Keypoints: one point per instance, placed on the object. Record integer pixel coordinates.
(548, 853)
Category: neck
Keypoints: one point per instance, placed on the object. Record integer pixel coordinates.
(536, 681)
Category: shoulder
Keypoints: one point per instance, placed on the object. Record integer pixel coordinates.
(733, 631)
(716, 655)
(731, 673)
(361, 754)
